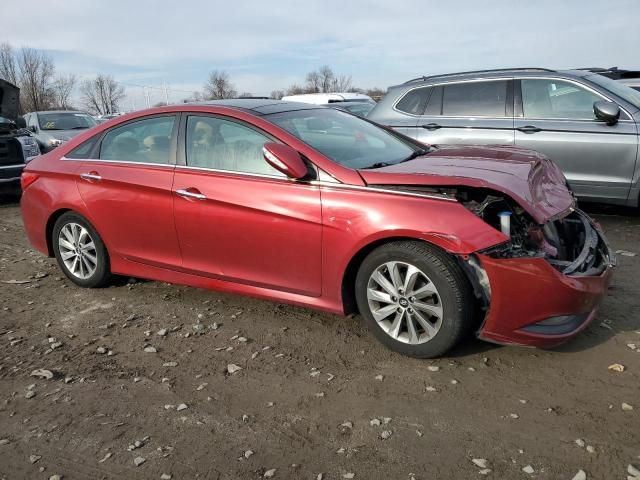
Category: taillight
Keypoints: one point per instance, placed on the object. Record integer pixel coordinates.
(27, 179)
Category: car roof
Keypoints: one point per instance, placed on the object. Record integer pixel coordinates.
(323, 98)
(260, 107)
(496, 73)
(61, 111)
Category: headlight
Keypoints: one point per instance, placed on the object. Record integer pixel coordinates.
(54, 142)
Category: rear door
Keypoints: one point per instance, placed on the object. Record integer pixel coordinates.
(127, 190)
(237, 218)
(555, 117)
(478, 112)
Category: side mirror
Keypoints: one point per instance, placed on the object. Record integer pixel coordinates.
(608, 112)
(285, 159)
(21, 122)
(32, 128)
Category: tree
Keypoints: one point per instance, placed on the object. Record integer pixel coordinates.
(62, 88)
(375, 93)
(323, 80)
(102, 94)
(35, 75)
(277, 94)
(245, 95)
(8, 67)
(219, 86)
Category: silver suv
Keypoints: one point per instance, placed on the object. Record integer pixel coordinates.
(588, 124)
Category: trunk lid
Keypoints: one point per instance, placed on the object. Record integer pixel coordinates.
(529, 178)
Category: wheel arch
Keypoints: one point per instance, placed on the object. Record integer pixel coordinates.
(351, 270)
(51, 221)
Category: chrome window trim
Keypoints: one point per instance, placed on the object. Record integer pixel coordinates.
(235, 172)
(127, 162)
(456, 82)
(16, 165)
(364, 188)
(575, 82)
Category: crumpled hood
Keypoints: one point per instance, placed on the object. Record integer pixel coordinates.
(528, 177)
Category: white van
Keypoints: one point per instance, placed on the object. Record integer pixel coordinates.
(356, 103)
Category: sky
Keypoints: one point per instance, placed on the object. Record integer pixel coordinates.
(268, 45)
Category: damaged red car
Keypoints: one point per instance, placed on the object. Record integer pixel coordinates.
(316, 207)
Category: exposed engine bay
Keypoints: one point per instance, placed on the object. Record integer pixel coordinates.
(572, 244)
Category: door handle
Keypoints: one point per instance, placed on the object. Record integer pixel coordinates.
(529, 129)
(92, 176)
(432, 126)
(187, 194)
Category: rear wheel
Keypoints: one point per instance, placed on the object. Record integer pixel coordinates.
(415, 298)
(80, 251)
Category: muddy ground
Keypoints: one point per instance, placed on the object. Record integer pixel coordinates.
(309, 387)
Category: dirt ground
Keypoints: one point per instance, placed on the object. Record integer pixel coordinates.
(316, 394)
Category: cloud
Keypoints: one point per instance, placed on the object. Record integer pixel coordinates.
(268, 45)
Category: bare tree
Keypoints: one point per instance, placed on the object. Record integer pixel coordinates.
(8, 67)
(35, 69)
(102, 94)
(296, 89)
(375, 93)
(327, 79)
(245, 95)
(313, 82)
(62, 88)
(219, 86)
(277, 94)
(341, 84)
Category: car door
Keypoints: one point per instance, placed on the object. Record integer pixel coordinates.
(237, 218)
(555, 117)
(126, 186)
(478, 112)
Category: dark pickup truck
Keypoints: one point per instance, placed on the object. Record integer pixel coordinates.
(17, 145)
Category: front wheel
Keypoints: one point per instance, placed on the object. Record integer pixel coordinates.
(80, 251)
(415, 298)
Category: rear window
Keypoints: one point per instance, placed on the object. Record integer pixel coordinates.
(485, 99)
(414, 101)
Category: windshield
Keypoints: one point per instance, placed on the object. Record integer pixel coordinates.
(345, 139)
(620, 89)
(65, 121)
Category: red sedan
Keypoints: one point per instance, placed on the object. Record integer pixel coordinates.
(316, 207)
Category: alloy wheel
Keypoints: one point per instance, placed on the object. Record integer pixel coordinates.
(404, 302)
(77, 250)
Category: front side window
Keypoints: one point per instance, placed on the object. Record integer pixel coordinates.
(65, 121)
(142, 141)
(414, 101)
(475, 99)
(218, 144)
(547, 98)
(345, 139)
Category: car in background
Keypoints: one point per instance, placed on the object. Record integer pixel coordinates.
(313, 206)
(356, 103)
(630, 78)
(52, 128)
(631, 83)
(585, 122)
(17, 145)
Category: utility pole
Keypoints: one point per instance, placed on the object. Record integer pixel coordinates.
(146, 95)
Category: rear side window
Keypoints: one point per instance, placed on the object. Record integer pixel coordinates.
(84, 149)
(485, 99)
(414, 101)
(143, 141)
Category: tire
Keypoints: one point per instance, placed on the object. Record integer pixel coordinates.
(73, 235)
(442, 297)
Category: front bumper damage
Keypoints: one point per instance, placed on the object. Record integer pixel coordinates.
(541, 301)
